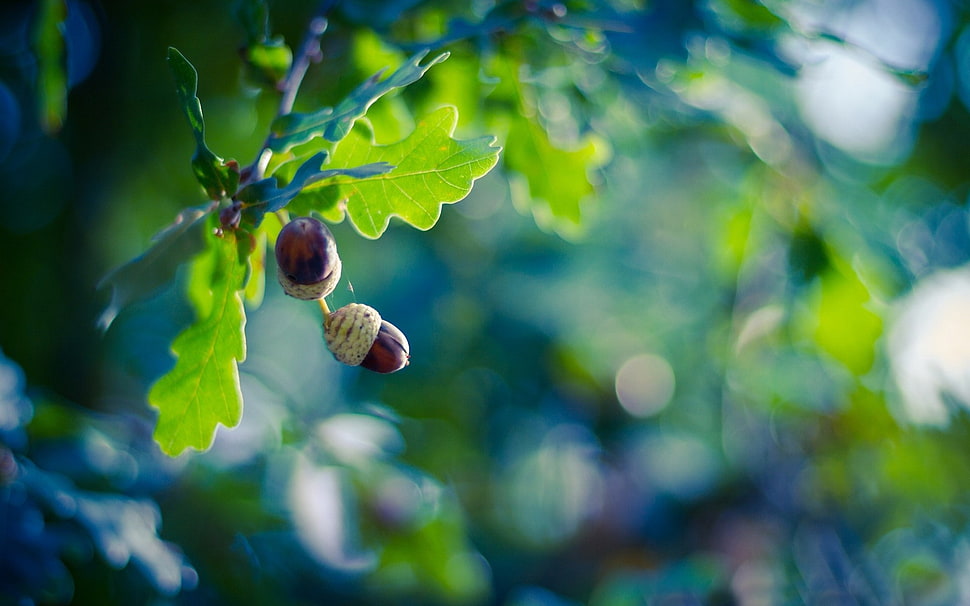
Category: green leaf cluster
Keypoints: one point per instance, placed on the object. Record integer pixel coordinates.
(430, 169)
(736, 325)
(313, 163)
(551, 166)
(556, 184)
(266, 196)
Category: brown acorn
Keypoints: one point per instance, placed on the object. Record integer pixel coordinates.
(307, 264)
(356, 335)
(390, 351)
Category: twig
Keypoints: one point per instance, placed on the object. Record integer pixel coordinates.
(309, 53)
(289, 87)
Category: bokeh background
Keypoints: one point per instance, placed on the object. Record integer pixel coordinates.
(703, 337)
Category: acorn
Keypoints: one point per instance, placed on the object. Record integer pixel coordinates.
(357, 336)
(307, 264)
(390, 351)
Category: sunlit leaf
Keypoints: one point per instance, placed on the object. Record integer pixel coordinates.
(198, 288)
(144, 275)
(734, 232)
(202, 390)
(334, 123)
(217, 177)
(847, 329)
(556, 179)
(552, 178)
(431, 169)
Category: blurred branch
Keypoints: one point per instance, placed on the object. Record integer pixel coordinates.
(290, 86)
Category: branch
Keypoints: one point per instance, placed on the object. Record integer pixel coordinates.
(309, 53)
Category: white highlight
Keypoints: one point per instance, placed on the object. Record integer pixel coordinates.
(929, 347)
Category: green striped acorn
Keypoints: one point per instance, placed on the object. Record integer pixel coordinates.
(357, 335)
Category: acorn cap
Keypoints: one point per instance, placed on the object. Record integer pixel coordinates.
(351, 331)
(307, 264)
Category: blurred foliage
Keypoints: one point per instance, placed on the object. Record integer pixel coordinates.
(701, 338)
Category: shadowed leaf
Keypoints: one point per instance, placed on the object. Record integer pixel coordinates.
(216, 176)
(266, 196)
(153, 269)
(334, 123)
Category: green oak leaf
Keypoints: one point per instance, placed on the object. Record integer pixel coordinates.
(266, 196)
(202, 389)
(218, 177)
(431, 169)
(556, 178)
(335, 123)
(153, 269)
(549, 181)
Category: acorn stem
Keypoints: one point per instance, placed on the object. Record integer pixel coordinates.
(324, 308)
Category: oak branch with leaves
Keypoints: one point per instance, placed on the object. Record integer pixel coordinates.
(324, 162)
